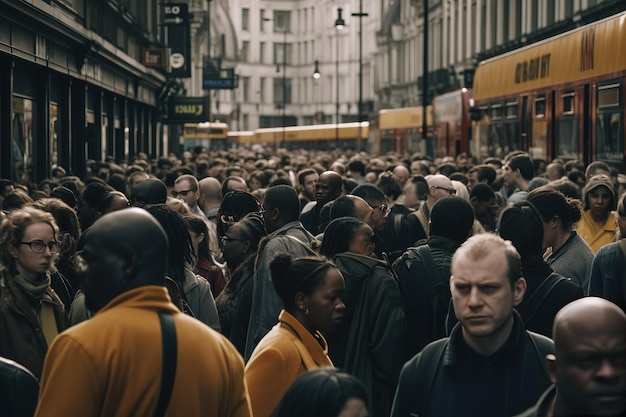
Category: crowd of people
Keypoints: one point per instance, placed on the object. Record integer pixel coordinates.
(246, 283)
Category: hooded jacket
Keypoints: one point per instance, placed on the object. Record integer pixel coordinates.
(370, 343)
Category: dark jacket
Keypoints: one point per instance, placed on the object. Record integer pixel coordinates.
(370, 342)
(18, 390)
(21, 336)
(566, 291)
(425, 311)
(235, 302)
(401, 230)
(607, 275)
(464, 383)
(542, 408)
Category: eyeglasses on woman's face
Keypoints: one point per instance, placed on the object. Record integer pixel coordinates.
(38, 246)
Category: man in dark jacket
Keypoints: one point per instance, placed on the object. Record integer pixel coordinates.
(490, 366)
(425, 298)
(589, 366)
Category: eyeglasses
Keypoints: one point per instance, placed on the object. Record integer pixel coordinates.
(450, 191)
(225, 239)
(37, 246)
(383, 208)
(175, 194)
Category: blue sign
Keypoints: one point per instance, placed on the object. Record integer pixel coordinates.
(219, 83)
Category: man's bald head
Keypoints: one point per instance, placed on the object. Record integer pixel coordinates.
(123, 250)
(362, 210)
(439, 186)
(210, 189)
(150, 191)
(402, 174)
(328, 187)
(590, 365)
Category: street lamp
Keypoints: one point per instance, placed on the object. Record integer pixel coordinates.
(360, 15)
(284, 79)
(339, 24)
(316, 71)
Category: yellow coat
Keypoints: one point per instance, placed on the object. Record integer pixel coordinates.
(596, 240)
(285, 353)
(110, 365)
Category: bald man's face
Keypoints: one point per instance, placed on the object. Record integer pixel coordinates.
(590, 368)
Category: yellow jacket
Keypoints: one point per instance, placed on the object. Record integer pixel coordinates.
(285, 353)
(110, 365)
(596, 240)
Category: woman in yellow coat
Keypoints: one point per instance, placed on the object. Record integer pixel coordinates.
(598, 224)
(310, 289)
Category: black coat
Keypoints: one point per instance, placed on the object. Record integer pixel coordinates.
(464, 383)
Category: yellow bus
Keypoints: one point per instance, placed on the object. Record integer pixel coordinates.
(400, 130)
(559, 98)
(205, 136)
(321, 137)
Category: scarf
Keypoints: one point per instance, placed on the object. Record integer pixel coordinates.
(33, 289)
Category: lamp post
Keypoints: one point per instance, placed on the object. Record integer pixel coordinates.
(284, 119)
(339, 24)
(360, 15)
(425, 78)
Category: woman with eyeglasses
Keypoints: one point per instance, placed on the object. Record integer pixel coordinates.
(234, 206)
(234, 304)
(206, 266)
(31, 314)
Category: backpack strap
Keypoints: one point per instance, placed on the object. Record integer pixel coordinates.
(170, 355)
(433, 273)
(537, 298)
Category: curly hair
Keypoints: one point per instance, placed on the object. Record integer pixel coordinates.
(12, 232)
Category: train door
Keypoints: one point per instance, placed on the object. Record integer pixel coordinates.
(609, 128)
(570, 123)
(540, 124)
(443, 137)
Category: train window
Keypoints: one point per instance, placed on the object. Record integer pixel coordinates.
(609, 146)
(568, 137)
(608, 96)
(496, 112)
(511, 110)
(540, 106)
(512, 136)
(568, 103)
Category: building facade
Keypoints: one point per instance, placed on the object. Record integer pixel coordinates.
(279, 41)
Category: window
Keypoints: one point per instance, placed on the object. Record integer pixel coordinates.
(262, 20)
(282, 21)
(511, 110)
(245, 48)
(261, 52)
(540, 106)
(496, 112)
(282, 53)
(609, 124)
(245, 18)
(245, 88)
(279, 84)
(568, 103)
(262, 89)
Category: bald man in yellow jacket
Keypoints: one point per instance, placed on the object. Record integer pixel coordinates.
(111, 364)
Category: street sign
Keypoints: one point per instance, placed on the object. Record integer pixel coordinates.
(176, 21)
(220, 83)
(188, 109)
(153, 57)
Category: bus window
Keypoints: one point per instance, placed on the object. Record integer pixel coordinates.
(540, 135)
(512, 128)
(567, 137)
(609, 123)
(540, 106)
